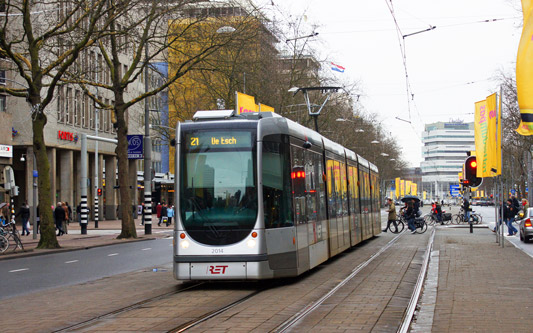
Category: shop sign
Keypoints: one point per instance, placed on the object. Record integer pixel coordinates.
(67, 136)
(6, 151)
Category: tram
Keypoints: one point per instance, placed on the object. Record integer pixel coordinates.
(259, 196)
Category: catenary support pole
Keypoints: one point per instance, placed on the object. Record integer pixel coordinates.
(147, 157)
(83, 185)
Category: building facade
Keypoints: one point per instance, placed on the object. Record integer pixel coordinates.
(445, 149)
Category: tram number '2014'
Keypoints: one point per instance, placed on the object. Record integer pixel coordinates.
(194, 141)
(218, 269)
(217, 250)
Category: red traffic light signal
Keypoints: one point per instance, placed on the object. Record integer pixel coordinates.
(471, 178)
(99, 192)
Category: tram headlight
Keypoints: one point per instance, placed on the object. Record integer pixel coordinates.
(251, 243)
(184, 244)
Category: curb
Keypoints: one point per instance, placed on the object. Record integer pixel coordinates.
(31, 253)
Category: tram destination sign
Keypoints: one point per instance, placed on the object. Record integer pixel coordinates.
(226, 139)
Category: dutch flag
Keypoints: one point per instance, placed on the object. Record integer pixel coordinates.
(337, 68)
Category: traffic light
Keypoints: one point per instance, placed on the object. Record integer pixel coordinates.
(471, 179)
(298, 181)
(99, 192)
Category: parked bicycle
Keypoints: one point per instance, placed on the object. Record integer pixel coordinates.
(10, 233)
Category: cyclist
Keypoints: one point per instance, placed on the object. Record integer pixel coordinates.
(410, 215)
(392, 215)
(438, 210)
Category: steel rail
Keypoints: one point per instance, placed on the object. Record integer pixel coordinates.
(408, 317)
(125, 309)
(312, 306)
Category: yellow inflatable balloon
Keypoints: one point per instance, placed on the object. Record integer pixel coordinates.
(524, 71)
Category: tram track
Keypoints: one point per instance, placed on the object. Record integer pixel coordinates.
(290, 323)
(89, 322)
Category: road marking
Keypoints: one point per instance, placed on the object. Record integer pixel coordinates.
(112, 254)
(70, 262)
(148, 248)
(19, 270)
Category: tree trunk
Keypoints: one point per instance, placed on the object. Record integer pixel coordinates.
(48, 236)
(128, 224)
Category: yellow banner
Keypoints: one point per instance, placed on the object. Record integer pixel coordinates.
(460, 176)
(407, 187)
(524, 71)
(493, 149)
(481, 128)
(424, 195)
(245, 103)
(265, 108)
(402, 187)
(414, 189)
(495, 137)
(397, 187)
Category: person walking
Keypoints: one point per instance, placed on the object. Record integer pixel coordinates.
(158, 212)
(509, 212)
(164, 217)
(24, 213)
(142, 213)
(466, 209)
(59, 218)
(67, 215)
(391, 219)
(170, 214)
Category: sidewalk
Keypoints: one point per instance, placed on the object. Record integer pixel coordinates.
(106, 234)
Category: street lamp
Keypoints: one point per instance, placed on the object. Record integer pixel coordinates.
(358, 130)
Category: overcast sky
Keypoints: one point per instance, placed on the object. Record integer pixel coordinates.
(449, 67)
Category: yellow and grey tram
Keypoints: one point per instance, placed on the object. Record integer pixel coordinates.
(259, 196)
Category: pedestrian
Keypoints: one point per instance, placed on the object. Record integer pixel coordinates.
(509, 212)
(24, 213)
(38, 219)
(78, 213)
(142, 213)
(158, 212)
(59, 218)
(170, 215)
(69, 213)
(65, 220)
(164, 217)
(515, 203)
(410, 216)
(466, 209)
(392, 216)
(525, 206)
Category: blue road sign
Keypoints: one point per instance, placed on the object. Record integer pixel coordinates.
(454, 190)
(135, 147)
(513, 191)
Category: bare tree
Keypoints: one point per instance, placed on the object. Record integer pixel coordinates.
(41, 40)
(139, 35)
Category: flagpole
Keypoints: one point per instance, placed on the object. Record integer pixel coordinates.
(501, 167)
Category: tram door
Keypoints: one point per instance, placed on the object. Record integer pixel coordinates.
(298, 176)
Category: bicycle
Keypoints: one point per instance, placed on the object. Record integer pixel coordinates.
(4, 244)
(9, 231)
(399, 224)
(420, 225)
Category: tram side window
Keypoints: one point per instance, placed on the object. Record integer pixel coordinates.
(313, 179)
(332, 194)
(299, 191)
(343, 190)
(277, 201)
(319, 166)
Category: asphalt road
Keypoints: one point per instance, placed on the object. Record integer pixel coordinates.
(31, 274)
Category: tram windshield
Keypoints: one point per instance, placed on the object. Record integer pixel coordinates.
(218, 193)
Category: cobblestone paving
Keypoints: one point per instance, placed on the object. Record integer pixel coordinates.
(482, 287)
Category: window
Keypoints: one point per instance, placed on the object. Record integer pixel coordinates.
(77, 102)
(60, 106)
(91, 115)
(3, 103)
(68, 106)
(2, 77)
(84, 111)
(277, 200)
